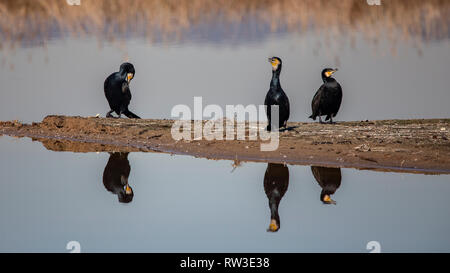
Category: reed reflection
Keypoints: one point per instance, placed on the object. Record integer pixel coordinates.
(329, 180)
(37, 22)
(276, 182)
(115, 177)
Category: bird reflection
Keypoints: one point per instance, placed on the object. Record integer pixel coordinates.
(329, 179)
(276, 182)
(115, 177)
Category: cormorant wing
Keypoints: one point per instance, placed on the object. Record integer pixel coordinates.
(288, 108)
(327, 177)
(315, 104)
(339, 99)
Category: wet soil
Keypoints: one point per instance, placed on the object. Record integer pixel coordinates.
(419, 146)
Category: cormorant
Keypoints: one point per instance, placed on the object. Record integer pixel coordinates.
(276, 182)
(329, 180)
(115, 177)
(328, 98)
(276, 96)
(117, 91)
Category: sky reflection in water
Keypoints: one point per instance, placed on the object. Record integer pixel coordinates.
(54, 59)
(193, 205)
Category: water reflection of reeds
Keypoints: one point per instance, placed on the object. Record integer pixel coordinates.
(34, 22)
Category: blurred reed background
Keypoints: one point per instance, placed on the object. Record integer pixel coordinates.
(35, 22)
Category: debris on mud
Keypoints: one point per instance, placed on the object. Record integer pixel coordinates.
(397, 145)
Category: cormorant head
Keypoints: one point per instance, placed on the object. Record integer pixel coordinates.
(128, 70)
(126, 196)
(274, 225)
(328, 72)
(326, 199)
(276, 63)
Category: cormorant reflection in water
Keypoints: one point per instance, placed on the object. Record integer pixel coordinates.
(276, 182)
(329, 180)
(115, 177)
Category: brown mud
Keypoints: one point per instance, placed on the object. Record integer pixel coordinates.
(416, 146)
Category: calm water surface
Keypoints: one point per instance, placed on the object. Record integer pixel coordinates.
(54, 59)
(182, 204)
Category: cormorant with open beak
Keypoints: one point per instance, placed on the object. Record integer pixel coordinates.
(328, 98)
(329, 180)
(276, 182)
(117, 91)
(115, 177)
(276, 96)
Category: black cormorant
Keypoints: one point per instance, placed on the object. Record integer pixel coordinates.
(329, 180)
(276, 182)
(115, 176)
(117, 91)
(328, 98)
(276, 96)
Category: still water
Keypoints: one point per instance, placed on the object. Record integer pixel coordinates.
(393, 63)
(182, 204)
(55, 57)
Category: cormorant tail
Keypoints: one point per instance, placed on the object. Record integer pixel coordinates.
(130, 114)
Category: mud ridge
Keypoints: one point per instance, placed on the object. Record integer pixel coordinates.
(417, 146)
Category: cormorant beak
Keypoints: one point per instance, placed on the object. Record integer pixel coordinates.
(331, 72)
(273, 227)
(274, 62)
(327, 199)
(127, 189)
(129, 77)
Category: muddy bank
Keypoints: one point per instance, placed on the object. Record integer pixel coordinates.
(397, 145)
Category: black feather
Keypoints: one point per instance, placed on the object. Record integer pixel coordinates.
(276, 96)
(117, 91)
(328, 98)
